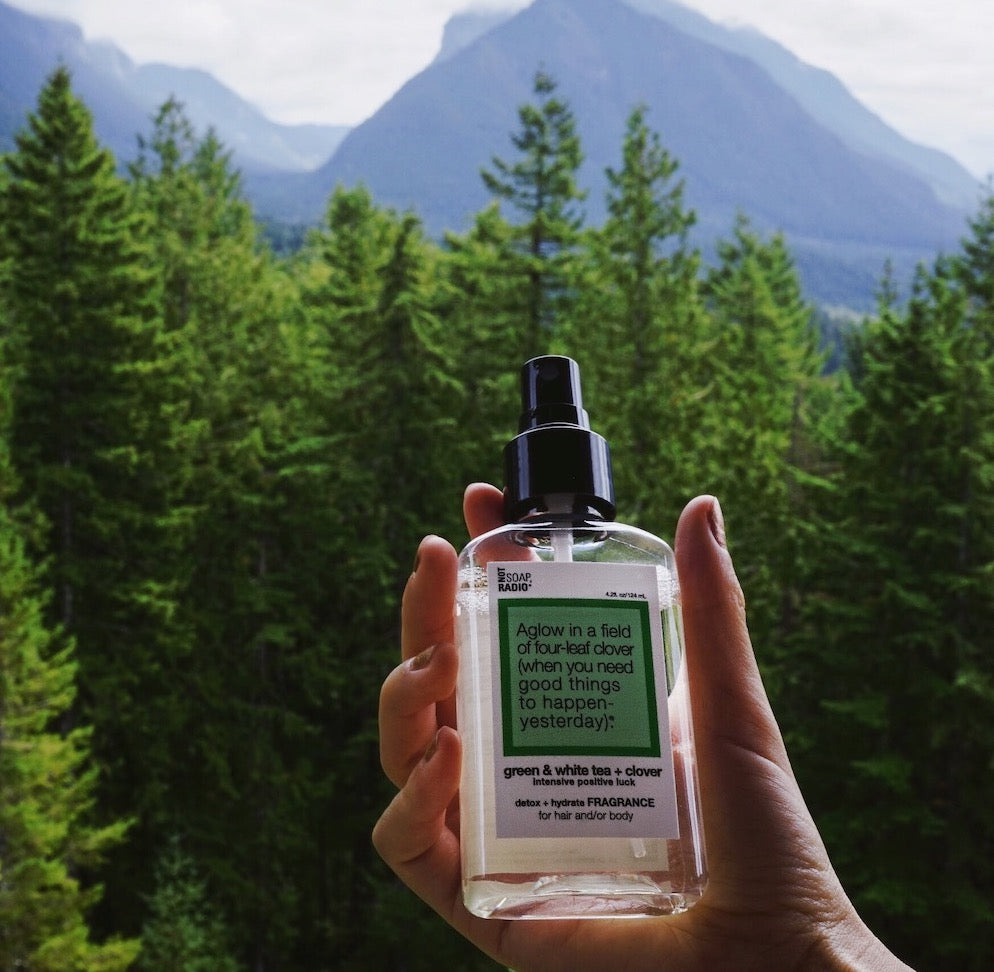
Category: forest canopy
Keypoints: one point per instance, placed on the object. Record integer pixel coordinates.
(216, 462)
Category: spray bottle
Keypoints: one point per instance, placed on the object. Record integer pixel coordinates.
(579, 795)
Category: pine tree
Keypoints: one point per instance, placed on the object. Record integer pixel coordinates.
(248, 497)
(541, 187)
(48, 778)
(766, 375)
(47, 786)
(975, 265)
(388, 400)
(79, 299)
(970, 740)
(486, 332)
(897, 643)
(183, 933)
(510, 283)
(83, 347)
(639, 298)
(388, 371)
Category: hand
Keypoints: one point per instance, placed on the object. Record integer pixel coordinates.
(773, 901)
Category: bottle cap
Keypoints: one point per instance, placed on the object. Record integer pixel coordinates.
(556, 463)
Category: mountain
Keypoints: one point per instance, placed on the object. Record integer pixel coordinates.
(124, 96)
(462, 29)
(819, 92)
(745, 141)
(828, 101)
(755, 130)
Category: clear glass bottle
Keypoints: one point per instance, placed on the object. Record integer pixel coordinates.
(579, 794)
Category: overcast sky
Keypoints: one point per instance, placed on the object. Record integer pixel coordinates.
(925, 66)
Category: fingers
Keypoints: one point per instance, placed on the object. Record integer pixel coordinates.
(483, 508)
(409, 708)
(411, 835)
(429, 598)
(418, 696)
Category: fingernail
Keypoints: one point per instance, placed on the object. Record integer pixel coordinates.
(417, 556)
(431, 750)
(423, 660)
(717, 523)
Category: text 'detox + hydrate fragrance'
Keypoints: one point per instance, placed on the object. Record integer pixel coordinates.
(579, 793)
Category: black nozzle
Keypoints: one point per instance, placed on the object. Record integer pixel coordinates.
(550, 393)
(556, 459)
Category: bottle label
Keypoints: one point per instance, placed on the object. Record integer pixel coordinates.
(581, 728)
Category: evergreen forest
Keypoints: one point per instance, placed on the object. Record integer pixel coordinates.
(218, 455)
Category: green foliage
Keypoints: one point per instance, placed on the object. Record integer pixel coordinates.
(894, 645)
(80, 302)
(765, 373)
(484, 311)
(47, 776)
(640, 333)
(541, 186)
(236, 453)
(385, 397)
(47, 788)
(75, 292)
(246, 471)
(182, 933)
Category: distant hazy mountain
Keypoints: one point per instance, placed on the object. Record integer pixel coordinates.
(123, 96)
(462, 29)
(755, 130)
(746, 140)
(819, 92)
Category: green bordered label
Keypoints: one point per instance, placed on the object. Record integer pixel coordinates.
(579, 698)
(577, 677)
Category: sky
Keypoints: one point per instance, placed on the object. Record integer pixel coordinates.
(925, 67)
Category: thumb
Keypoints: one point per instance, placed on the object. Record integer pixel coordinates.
(727, 690)
(750, 801)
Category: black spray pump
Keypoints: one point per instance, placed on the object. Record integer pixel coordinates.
(556, 461)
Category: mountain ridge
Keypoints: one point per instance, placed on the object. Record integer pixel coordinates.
(755, 130)
(818, 91)
(744, 144)
(123, 96)
(827, 100)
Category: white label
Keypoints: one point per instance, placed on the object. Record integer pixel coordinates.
(581, 731)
